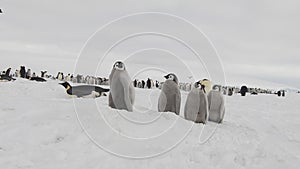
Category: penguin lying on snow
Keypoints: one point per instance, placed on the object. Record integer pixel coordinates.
(6, 78)
(84, 90)
(38, 79)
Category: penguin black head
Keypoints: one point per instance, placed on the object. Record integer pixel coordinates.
(197, 84)
(217, 87)
(172, 76)
(66, 85)
(119, 65)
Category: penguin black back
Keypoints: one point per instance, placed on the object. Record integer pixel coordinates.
(22, 71)
(83, 90)
(38, 79)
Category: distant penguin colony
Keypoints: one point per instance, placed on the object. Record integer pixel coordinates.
(203, 103)
(122, 93)
(196, 106)
(170, 97)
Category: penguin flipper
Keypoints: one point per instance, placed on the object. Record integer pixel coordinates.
(177, 102)
(127, 99)
(111, 101)
(100, 89)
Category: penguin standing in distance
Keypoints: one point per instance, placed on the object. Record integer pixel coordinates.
(84, 90)
(216, 105)
(157, 84)
(23, 72)
(28, 73)
(122, 93)
(43, 73)
(170, 96)
(17, 73)
(148, 83)
(143, 84)
(7, 73)
(60, 76)
(5, 76)
(134, 83)
(196, 106)
(244, 90)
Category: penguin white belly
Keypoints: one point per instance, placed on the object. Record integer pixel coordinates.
(216, 106)
(118, 95)
(169, 99)
(191, 108)
(93, 95)
(196, 107)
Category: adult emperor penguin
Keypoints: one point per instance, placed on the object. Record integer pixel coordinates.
(28, 73)
(216, 105)
(84, 90)
(206, 84)
(170, 97)
(23, 72)
(38, 79)
(122, 94)
(196, 106)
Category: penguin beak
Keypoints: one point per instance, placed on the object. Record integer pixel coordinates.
(166, 76)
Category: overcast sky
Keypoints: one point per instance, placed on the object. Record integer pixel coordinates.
(257, 40)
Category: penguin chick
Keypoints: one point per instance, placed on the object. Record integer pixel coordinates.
(170, 97)
(122, 93)
(196, 106)
(216, 105)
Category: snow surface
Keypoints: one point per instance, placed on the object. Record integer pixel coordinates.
(42, 127)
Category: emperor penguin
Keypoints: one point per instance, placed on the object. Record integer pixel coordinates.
(17, 73)
(170, 97)
(36, 78)
(7, 73)
(216, 105)
(43, 73)
(22, 72)
(68, 77)
(206, 84)
(28, 73)
(84, 90)
(4, 78)
(122, 93)
(196, 106)
(148, 83)
(60, 76)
